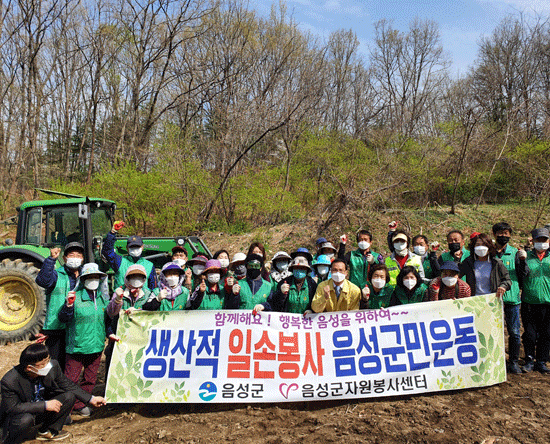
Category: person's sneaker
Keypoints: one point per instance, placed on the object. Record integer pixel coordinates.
(514, 368)
(528, 366)
(52, 436)
(542, 368)
(84, 411)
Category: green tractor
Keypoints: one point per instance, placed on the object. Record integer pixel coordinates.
(44, 224)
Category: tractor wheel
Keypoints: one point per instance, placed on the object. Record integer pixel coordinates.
(22, 302)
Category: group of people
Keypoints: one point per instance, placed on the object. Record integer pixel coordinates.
(81, 313)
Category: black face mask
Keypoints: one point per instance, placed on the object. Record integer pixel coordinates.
(240, 270)
(454, 247)
(253, 273)
(503, 240)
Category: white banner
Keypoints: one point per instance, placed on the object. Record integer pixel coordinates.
(232, 356)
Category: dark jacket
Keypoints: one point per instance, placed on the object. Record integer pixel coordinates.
(18, 391)
(278, 301)
(499, 274)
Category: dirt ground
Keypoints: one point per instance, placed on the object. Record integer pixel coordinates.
(516, 411)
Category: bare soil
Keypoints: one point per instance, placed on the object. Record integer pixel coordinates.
(516, 411)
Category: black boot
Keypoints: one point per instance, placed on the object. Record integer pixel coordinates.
(529, 364)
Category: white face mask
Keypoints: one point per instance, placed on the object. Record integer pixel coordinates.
(541, 246)
(136, 282)
(322, 270)
(91, 284)
(400, 248)
(44, 370)
(338, 277)
(179, 262)
(213, 278)
(363, 245)
(73, 262)
(378, 283)
(282, 265)
(420, 250)
(135, 251)
(409, 283)
(198, 269)
(224, 263)
(449, 281)
(172, 280)
(481, 250)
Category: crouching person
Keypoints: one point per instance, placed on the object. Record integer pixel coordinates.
(37, 393)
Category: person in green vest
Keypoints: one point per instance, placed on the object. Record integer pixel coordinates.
(85, 319)
(513, 259)
(535, 306)
(457, 251)
(428, 255)
(171, 294)
(402, 257)
(359, 261)
(119, 264)
(294, 293)
(279, 268)
(210, 294)
(57, 282)
(409, 288)
(197, 264)
(179, 256)
(379, 289)
(254, 289)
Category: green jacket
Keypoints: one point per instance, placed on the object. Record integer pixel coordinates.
(508, 258)
(248, 300)
(209, 300)
(127, 261)
(536, 284)
(359, 267)
(56, 300)
(177, 304)
(399, 296)
(380, 300)
(448, 257)
(85, 330)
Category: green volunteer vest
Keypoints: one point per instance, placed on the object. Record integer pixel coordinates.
(359, 268)
(126, 262)
(447, 256)
(126, 303)
(508, 258)
(178, 303)
(428, 273)
(249, 300)
(536, 287)
(418, 295)
(382, 299)
(56, 299)
(393, 266)
(298, 300)
(213, 300)
(86, 331)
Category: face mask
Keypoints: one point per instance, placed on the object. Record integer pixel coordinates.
(198, 269)
(44, 370)
(454, 247)
(363, 245)
(322, 270)
(179, 262)
(378, 283)
(73, 262)
(400, 248)
(481, 250)
(503, 240)
(541, 246)
(253, 273)
(136, 282)
(135, 251)
(213, 278)
(409, 283)
(449, 281)
(240, 270)
(172, 281)
(338, 277)
(91, 284)
(224, 263)
(420, 250)
(299, 274)
(281, 265)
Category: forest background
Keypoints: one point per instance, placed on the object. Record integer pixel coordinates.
(200, 115)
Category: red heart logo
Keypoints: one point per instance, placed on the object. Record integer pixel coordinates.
(291, 387)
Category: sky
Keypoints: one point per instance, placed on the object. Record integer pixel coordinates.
(462, 23)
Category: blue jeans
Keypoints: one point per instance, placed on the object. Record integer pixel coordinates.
(511, 316)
